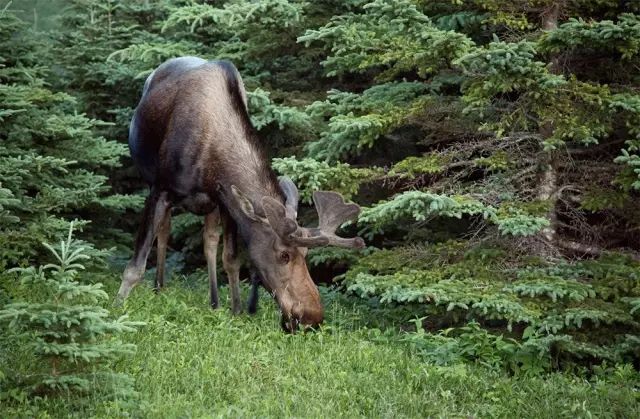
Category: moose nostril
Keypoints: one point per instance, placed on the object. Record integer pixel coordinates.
(313, 318)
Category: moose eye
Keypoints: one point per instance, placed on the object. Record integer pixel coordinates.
(285, 257)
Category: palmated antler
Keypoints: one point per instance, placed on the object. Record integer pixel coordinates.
(332, 213)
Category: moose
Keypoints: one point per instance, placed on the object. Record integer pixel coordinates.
(193, 143)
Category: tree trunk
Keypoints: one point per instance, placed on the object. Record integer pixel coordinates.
(549, 162)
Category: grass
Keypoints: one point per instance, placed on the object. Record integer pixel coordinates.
(195, 362)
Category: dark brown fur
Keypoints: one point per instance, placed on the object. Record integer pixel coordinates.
(193, 141)
(183, 142)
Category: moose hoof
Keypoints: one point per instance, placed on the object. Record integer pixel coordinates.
(118, 301)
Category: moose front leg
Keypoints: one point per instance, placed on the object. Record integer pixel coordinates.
(164, 230)
(231, 261)
(211, 236)
(156, 207)
(254, 295)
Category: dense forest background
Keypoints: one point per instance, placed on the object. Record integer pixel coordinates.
(494, 146)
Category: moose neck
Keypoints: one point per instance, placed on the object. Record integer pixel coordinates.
(254, 179)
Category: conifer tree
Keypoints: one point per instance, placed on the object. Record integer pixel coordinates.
(529, 109)
(68, 334)
(52, 164)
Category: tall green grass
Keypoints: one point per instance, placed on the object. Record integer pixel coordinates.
(195, 362)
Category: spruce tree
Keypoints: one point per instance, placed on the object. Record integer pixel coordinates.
(53, 165)
(68, 334)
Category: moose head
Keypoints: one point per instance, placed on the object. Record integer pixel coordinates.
(278, 246)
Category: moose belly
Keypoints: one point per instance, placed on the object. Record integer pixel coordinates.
(199, 203)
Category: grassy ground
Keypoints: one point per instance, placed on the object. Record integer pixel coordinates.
(194, 362)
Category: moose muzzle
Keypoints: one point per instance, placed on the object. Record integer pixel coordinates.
(300, 307)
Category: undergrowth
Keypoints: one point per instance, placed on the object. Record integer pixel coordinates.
(538, 315)
(195, 362)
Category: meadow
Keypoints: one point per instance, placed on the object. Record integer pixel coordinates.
(192, 361)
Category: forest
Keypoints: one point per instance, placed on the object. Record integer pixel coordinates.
(493, 146)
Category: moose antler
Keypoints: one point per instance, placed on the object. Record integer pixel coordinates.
(332, 213)
(291, 194)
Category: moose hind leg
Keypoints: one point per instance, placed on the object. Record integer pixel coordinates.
(164, 230)
(155, 208)
(211, 237)
(231, 262)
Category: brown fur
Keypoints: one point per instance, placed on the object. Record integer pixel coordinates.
(193, 141)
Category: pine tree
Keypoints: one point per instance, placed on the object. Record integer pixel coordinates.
(52, 164)
(69, 335)
(528, 108)
(513, 135)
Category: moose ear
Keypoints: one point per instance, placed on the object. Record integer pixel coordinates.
(277, 216)
(245, 205)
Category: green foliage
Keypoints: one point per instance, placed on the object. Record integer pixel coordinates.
(415, 166)
(394, 36)
(265, 112)
(419, 207)
(350, 133)
(519, 223)
(323, 256)
(567, 311)
(509, 86)
(502, 67)
(206, 360)
(552, 287)
(634, 303)
(69, 334)
(605, 35)
(472, 343)
(52, 163)
(495, 162)
(253, 16)
(357, 121)
(96, 31)
(601, 199)
(311, 175)
(145, 56)
(633, 161)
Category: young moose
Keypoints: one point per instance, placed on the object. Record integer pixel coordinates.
(194, 144)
